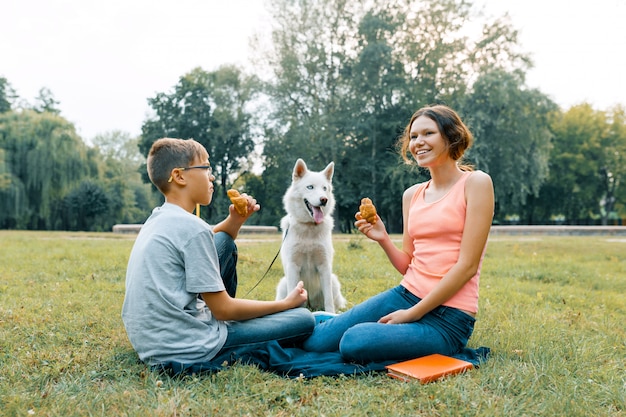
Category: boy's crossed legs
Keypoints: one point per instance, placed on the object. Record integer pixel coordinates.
(286, 327)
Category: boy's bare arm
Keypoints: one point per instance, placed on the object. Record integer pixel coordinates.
(223, 307)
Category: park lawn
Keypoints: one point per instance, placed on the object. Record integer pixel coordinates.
(552, 311)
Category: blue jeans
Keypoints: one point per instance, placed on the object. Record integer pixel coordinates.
(264, 342)
(358, 337)
(228, 256)
(287, 327)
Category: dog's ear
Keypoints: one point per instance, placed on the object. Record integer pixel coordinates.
(299, 170)
(329, 170)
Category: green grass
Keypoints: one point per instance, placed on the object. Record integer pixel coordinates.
(553, 312)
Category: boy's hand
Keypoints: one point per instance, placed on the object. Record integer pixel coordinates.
(234, 221)
(298, 296)
(242, 204)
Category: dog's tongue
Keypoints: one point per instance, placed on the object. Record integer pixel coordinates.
(318, 215)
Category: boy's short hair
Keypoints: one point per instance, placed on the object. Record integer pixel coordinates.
(167, 154)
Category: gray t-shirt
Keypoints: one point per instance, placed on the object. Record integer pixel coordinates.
(172, 261)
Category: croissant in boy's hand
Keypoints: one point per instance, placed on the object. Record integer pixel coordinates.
(240, 203)
(368, 211)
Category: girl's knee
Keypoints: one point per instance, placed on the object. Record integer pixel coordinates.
(355, 344)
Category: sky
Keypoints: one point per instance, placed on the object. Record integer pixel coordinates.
(102, 59)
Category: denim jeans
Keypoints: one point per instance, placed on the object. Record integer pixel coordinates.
(287, 327)
(358, 337)
(264, 342)
(228, 255)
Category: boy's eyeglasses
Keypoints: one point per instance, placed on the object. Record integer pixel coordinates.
(207, 167)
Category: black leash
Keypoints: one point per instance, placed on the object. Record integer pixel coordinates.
(269, 267)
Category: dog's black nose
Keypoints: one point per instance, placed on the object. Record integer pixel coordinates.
(323, 201)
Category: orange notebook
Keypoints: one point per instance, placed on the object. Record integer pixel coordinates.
(427, 368)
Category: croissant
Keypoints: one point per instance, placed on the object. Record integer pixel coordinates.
(368, 211)
(240, 203)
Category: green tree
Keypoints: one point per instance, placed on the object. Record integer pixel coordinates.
(347, 76)
(119, 146)
(5, 175)
(83, 205)
(377, 85)
(512, 137)
(45, 102)
(307, 91)
(440, 56)
(613, 169)
(586, 164)
(210, 107)
(45, 158)
(574, 187)
(130, 200)
(7, 95)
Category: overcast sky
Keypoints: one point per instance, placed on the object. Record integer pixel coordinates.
(103, 59)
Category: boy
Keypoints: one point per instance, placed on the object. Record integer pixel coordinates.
(179, 309)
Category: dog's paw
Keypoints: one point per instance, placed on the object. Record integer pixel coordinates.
(368, 211)
(240, 203)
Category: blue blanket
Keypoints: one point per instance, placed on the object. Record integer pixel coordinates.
(294, 362)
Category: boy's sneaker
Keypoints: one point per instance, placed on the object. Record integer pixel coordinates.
(322, 316)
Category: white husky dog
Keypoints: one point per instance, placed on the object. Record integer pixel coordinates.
(307, 251)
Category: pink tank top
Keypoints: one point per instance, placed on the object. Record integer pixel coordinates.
(436, 229)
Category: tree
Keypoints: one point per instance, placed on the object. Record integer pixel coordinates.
(512, 136)
(210, 107)
(7, 95)
(308, 91)
(613, 169)
(83, 205)
(129, 199)
(119, 148)
(586, 164)
(348, 75)
(45, 102)
(45, 158)
(376, 105)
(575, 162)
(5, 175)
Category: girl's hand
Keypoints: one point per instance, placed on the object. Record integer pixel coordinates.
(397, 317)
(375, 231)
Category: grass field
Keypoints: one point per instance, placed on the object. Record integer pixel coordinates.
(553, 311)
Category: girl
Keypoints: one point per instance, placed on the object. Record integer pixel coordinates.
(446, 224)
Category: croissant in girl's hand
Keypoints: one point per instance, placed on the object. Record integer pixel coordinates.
(368, 211)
